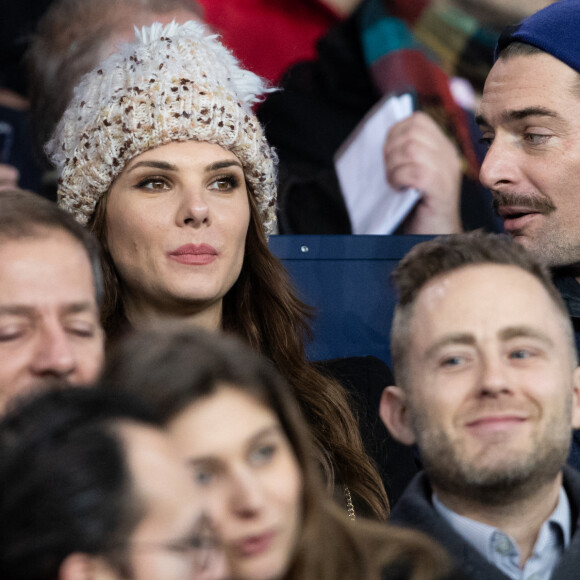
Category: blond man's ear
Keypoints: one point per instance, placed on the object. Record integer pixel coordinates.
(576, 399)
(394, 413)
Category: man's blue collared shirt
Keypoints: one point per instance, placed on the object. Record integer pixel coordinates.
(499, 549)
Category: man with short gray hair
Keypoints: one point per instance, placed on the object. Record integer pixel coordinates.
(50, 289)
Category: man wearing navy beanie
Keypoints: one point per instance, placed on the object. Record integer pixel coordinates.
(530, 119)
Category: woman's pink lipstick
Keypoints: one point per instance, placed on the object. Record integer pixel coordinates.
(251, 546)
(194, 254)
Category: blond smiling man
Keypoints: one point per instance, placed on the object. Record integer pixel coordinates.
(487, 386)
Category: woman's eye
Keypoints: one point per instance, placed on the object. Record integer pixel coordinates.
(224, 183)
(263, 454)
(203, 476)
(153, 184)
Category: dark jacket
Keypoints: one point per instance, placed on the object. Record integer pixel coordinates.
(415, 510)
(569, 289)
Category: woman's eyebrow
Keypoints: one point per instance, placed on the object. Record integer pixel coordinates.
(164, 165)
(211, 460)
(270, 430)
(207, 460)
(223, 165)
(155, 164)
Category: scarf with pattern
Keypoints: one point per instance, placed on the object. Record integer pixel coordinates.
(415, 45)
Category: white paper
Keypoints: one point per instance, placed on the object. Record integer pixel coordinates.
(373, 205)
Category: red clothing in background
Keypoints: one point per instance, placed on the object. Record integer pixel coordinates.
(269, 35)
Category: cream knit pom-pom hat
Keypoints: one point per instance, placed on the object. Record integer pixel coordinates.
(173, 83)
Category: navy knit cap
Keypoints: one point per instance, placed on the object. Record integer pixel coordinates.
(555, 29)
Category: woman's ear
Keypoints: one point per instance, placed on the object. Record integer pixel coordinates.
(80, 566)
(394, 413)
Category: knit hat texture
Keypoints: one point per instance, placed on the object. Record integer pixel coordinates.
(173, 83)
(555, 29)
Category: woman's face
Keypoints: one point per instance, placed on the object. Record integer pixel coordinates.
(176, 224)
(248, 474)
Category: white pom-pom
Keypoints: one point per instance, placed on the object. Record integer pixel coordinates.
(249, 87)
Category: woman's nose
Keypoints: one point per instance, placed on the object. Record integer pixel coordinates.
(194, 210)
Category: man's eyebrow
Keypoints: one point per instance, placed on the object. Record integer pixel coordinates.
(525, 332)
(480, 120)
(30, 310)
(519, 114)
(76, 307)
(449, 339)
(16, 310)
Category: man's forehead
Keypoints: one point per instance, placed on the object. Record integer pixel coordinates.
(46, 274)
(538, 82)
(31, 233)
(475, 285)
(484, 300)
(45, 260)
(39, 242)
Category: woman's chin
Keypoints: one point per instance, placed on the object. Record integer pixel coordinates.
(265, 567)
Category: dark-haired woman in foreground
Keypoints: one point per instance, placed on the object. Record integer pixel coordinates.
(231, 415)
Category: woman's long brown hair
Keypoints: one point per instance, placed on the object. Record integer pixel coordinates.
(264, 310)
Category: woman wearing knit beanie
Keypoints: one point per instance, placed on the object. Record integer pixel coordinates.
(160, 154)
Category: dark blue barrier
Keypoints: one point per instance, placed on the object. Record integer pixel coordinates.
(346, 278)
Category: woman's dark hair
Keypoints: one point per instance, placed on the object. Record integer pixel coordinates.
(173, 367)
(263, 309)
(66, 485)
